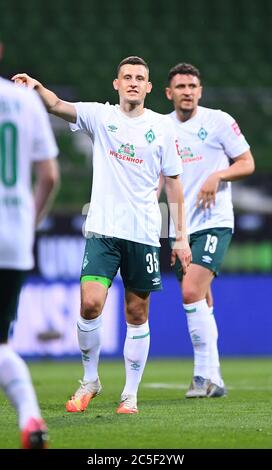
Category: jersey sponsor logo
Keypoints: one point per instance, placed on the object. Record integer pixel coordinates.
(156, 281)
(186, 152)
(236, 129)
(126, 152)
(150, 136)
(206, 259)
(202, 134)
(127, 149)
(188, 156)
(112, 128)
(177, 147)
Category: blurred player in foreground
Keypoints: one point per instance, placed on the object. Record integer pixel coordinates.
(26, 139)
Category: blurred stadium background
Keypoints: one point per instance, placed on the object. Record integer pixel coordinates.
(73, 48)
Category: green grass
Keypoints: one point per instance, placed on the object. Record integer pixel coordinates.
(166, 418)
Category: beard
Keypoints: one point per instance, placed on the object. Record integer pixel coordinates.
(186, 106)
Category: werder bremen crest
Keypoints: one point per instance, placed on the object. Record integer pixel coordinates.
(202, 134)
(150, 136)
(127, 149)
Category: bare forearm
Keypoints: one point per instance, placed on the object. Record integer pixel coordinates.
(179, 221)
(241, 168)
(175, 198)
(43, 198)
(55, 105)
(47, 182)
(48, 97)
(181, 248)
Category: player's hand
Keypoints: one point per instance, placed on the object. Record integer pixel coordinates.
(25, 80)
(181, 250)
(207, 193)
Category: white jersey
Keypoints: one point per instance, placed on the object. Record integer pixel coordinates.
(207, 143)
(128, 156)
(25, 136)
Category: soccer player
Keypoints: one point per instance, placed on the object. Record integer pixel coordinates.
(132, 146)
(214, 152)
(26, 140)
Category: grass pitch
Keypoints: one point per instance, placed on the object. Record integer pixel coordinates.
(166, 419)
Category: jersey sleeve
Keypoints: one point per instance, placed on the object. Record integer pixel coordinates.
(231, 137)
(171, 160)
(44, 144)
(87, 114)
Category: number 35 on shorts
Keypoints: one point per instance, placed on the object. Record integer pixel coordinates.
(152, 263)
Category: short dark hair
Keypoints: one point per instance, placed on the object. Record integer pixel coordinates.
(183, 69)
(133, 60)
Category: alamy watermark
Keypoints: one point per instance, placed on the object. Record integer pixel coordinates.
(122, 218)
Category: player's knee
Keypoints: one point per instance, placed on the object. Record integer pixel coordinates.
(91, 309)
(136, 313)
(190, 294)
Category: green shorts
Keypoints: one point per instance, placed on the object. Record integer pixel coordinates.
(139, 264)
(208, 249)
(11, 282)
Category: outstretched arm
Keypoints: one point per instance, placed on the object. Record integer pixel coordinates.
(53, 104)
(181, 248)
(242, 166)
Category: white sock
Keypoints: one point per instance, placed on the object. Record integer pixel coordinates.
(16, 382)
(89, 340)
(198, 320)
(214, 363)
(135, 354)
